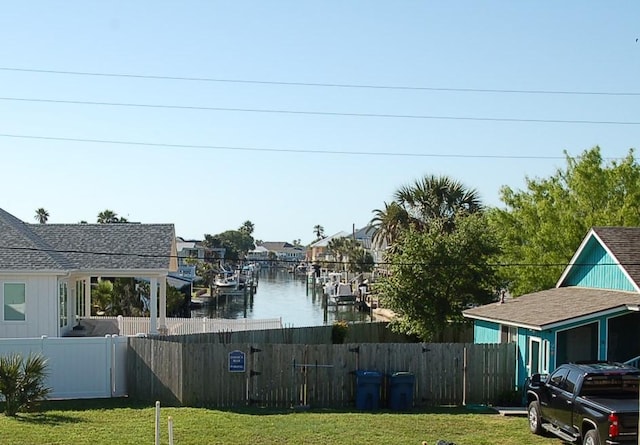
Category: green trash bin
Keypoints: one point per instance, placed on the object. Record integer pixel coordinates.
(401, 391)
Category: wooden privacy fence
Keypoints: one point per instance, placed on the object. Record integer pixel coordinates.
(287, 375)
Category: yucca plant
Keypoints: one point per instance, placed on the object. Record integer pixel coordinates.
(22, 381)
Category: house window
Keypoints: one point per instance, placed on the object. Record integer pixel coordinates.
(80, 302)
(62, 302)
(14, 301)
(544, 359)
(508, 334)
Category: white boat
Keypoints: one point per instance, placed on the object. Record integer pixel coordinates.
(226, 282)
(338, 292)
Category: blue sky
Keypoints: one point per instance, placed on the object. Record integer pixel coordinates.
(543, 46)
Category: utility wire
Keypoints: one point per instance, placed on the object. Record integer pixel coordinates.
(279, 150)
(318, 113)
(132, 254)
(324, 85)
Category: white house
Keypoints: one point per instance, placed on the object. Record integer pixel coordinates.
(46, 271)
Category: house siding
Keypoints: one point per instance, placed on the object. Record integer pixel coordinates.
(41, 302)
(486, 332)
(595, 268)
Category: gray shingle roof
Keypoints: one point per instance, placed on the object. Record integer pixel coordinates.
(552, 306)
(84, 246)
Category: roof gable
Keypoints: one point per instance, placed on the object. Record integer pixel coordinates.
(606, 259)
(22, 249)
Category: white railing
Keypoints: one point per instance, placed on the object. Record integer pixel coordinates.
(183, 326)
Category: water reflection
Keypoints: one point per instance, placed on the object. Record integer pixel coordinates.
(285, 295)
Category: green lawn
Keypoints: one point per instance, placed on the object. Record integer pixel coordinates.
(119, 421)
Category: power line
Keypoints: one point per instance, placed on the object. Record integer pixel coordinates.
(133, 254)
(277, 150)
(318, 113)
(323, 85)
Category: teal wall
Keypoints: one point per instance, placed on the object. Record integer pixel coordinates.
(604, 275)
(486, 332)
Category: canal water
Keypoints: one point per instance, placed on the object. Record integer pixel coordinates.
(284, 295)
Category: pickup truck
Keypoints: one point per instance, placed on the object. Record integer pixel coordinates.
(592, 403)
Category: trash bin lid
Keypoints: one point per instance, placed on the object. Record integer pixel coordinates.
(401, 373)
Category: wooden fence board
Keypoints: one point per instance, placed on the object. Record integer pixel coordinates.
(197, 374)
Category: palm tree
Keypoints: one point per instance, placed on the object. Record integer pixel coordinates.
(319, 231)
(42, 216)
(247, 227)
(388, 223)
(107, 216)
(437, 198)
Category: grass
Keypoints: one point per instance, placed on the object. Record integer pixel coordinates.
(120, 421)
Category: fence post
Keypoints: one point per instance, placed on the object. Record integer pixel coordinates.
(157, 439)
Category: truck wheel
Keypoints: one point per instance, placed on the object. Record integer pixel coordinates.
(591, 438)
(535, 421)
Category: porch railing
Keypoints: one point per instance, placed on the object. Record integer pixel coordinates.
(183, 326)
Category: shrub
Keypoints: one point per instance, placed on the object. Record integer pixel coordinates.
(339, 331)
(22, 381)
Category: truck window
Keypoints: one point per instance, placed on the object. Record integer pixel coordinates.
(625, 385)
(557, 377)
(571, 380)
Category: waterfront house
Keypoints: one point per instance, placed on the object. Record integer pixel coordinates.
(283, 252)
(46, 271)
(591, 314)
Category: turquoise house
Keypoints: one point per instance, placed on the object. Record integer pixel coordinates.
(593, 313)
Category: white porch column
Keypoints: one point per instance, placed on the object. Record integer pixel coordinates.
(87, 296)
(153, 305)
(162, 328)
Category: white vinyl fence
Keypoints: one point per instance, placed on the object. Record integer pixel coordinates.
(184, 326)
(78, 367)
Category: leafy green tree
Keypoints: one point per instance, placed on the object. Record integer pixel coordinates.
(435, 273)
(542, 226)
(237, 243)
(318, 230)
(22, 381)
(42, 216)
(127, 297)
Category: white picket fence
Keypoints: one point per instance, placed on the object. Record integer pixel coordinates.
(78, 368)
(183, 326)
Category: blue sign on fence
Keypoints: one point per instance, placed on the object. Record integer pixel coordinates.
(236, 361)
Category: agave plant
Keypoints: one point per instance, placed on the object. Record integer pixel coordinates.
(22, 381)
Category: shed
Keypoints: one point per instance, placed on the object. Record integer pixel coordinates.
(591, 314)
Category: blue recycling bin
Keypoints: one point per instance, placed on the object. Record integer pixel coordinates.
(368, 389)
(401, 391)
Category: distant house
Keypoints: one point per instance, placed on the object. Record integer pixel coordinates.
(259, 254)
(46, 270)
(319, 250)
(189, 250)
(284, 252)
(591, 314)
